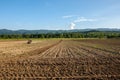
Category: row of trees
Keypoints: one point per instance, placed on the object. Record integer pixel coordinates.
(64, 35)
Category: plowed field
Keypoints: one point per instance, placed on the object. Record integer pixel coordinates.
(60, 60)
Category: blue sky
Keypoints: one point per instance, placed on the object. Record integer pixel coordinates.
(59, 14)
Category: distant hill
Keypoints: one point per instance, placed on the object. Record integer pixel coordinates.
(6, 31)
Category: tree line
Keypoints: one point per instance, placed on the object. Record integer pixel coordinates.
(64, 35)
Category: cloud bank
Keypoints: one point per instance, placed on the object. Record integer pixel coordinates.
(77, 20)
(80, 19)
(83, 19)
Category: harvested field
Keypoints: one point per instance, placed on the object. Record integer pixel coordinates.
(61, 59)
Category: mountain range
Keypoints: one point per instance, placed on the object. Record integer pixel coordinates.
(6, 31)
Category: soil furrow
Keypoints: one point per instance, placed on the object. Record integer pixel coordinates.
(65, 59)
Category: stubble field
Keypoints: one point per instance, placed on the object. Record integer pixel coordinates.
(71, 59)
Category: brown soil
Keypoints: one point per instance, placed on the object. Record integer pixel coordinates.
(63, 60)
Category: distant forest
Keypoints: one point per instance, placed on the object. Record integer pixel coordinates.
(63, 35)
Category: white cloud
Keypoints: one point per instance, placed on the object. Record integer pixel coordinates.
(68, 16)
(72, 25)
(82, 19)
(78, 20)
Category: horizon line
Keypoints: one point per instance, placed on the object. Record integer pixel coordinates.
(57, 29)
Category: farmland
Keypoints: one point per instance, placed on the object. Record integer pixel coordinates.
(67, 59)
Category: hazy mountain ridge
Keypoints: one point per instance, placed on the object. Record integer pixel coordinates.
(6, 31)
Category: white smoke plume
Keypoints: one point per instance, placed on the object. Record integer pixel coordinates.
(72, 25)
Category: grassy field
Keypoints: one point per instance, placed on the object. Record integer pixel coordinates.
(60, 59)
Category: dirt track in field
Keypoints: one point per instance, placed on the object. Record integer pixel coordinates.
(64, 59)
